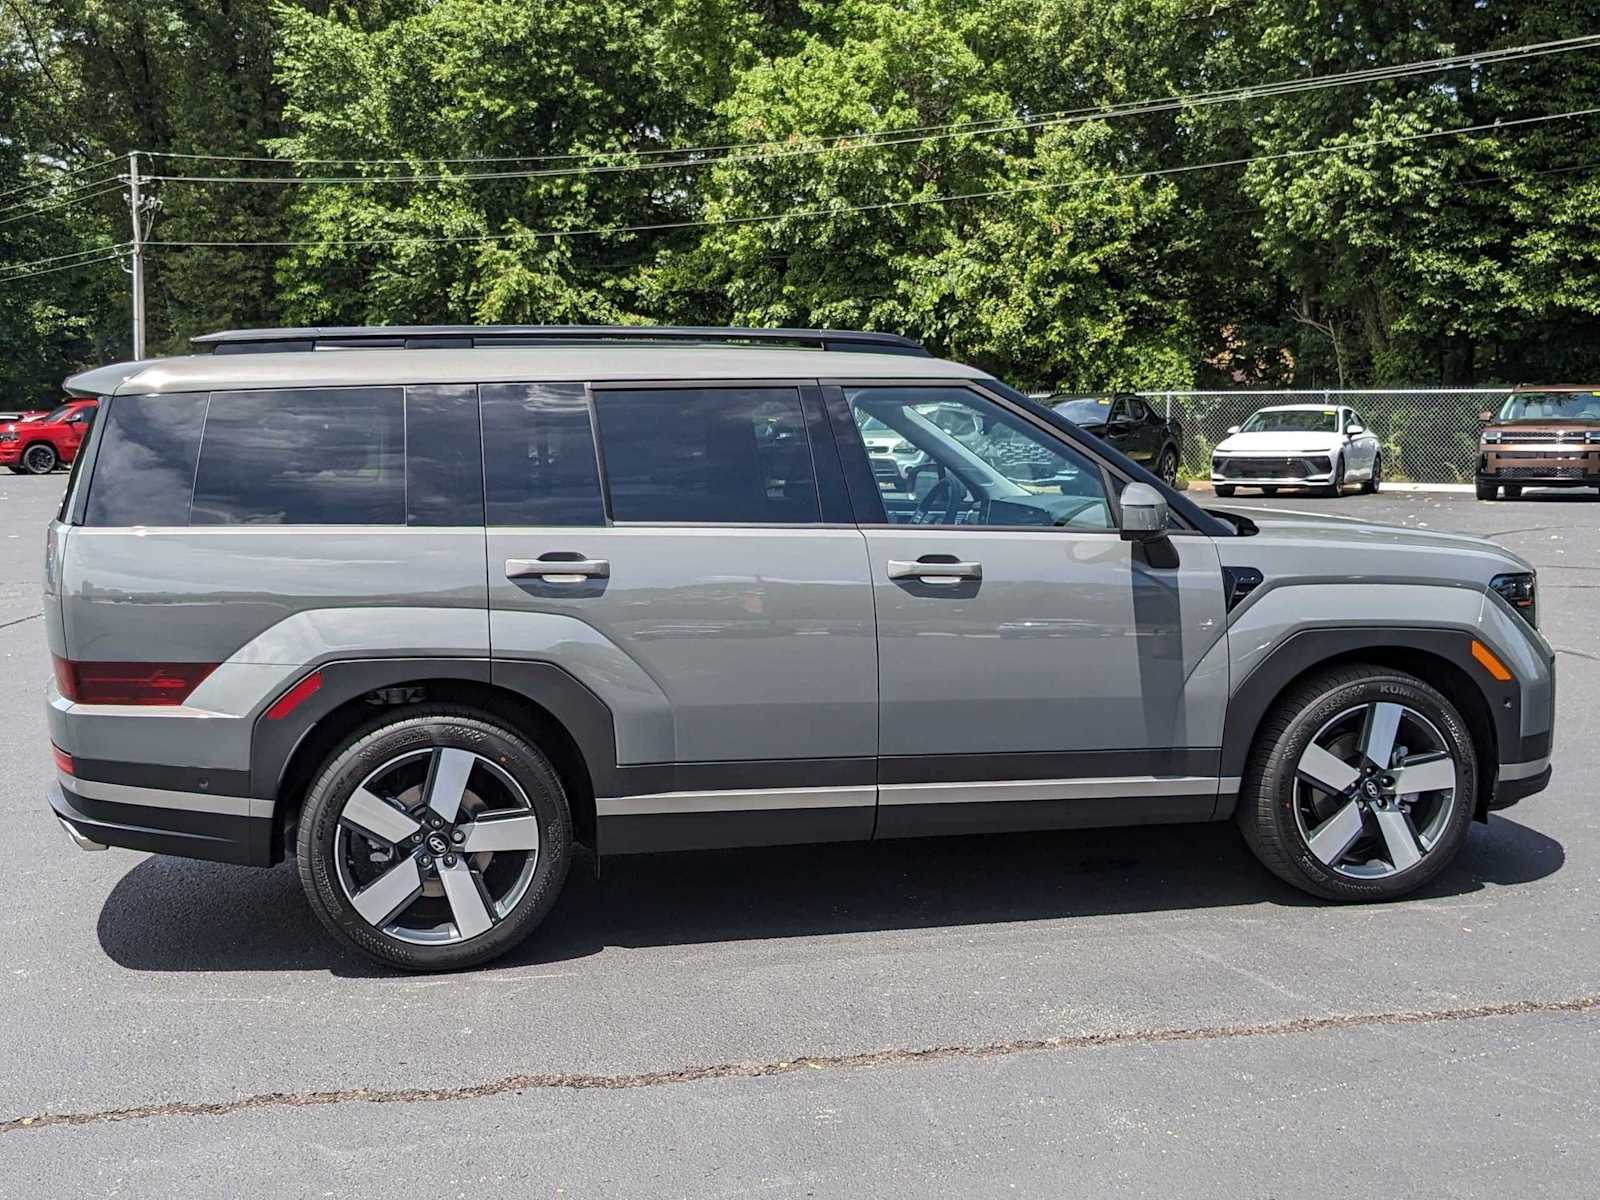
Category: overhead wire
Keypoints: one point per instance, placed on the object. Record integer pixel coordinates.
(914, 201)
(63, 202)
(849, 143)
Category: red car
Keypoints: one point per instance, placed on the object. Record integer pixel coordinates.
(40, 445)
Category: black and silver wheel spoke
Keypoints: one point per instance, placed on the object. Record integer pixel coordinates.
(392, 891)
(1374, 790)
(1333, 838)
(447, 781)
(512, 831)
(376, 817)
(466, 901)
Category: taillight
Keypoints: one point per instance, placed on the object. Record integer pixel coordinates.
(129, 682)
(63, 759)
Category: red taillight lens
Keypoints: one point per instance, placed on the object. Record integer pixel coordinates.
(294, 697)
(129, 682)
(63, 759)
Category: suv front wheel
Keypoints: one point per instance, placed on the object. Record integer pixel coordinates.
(1361, 785)
(434, 841)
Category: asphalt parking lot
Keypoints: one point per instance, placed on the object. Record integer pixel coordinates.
(1130, 1012)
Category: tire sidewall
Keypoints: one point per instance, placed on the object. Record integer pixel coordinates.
(1278, 784)
(368, 750)
(34, 449)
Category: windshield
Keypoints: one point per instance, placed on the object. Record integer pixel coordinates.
(1551, 406)
(1293, 420)
(1089, 411)
(57, 414)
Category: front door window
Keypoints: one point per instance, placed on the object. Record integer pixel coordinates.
(946, 456)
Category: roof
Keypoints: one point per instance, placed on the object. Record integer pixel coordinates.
(1303, 407)
(467, 337)
(504, 364)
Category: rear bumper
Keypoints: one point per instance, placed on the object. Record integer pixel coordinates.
(174, 824)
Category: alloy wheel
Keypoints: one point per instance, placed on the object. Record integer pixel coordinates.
(1374, 790)
(1169, 469)
(436, 846)
(40, 460)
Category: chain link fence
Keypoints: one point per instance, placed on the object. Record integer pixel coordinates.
(1429, 435)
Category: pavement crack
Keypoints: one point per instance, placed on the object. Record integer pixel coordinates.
(862, 1060)
(20, 620)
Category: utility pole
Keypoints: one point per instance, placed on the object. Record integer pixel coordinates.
(136, 205)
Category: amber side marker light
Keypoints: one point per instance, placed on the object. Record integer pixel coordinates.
(1489, 662)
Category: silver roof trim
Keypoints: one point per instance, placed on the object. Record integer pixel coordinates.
(496, 364)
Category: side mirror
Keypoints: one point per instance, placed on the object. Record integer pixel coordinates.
(1355, 430)
(1144, 513)
(1233, 429)
(1486, 416)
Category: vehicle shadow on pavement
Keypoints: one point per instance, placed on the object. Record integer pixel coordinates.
(182, 915)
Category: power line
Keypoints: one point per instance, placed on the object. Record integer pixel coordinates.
(75, 198)
(915, 201)
(867, 141)
(104, 257)
(65, 174)
(58, 257)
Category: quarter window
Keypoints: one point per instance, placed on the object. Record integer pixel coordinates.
(144, 468)
(946, 456)
(317, 456)
(538, 455)
(726, 455)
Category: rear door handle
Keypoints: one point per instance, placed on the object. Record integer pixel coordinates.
(927, 570)
(553, 569)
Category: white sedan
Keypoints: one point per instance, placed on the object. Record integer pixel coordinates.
(1318, 446)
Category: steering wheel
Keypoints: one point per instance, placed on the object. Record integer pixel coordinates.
(947, 490)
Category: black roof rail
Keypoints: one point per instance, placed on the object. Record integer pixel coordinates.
(465, 337)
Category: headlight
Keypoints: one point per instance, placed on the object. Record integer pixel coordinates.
(1520, 590)
(1493, 435)
(8, 437)
(1592, 435)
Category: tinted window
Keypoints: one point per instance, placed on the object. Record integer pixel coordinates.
(444, 456)
(986, 468)
(144, 467)
(317, 456)
(538, 455)
(735, 455)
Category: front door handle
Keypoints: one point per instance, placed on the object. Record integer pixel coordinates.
(553, 568)
(929, 569)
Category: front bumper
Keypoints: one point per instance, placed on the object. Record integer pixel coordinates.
(1271, 470)
(1548, 465)
(10, 453)
(167, 827)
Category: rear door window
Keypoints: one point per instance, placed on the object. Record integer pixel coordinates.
(539, 464)
(444, 456)
(143, 471)
(312, 456)
(727, 455)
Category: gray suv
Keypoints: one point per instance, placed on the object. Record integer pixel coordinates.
(422, 608)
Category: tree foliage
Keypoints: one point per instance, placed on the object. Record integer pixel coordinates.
(530, 178)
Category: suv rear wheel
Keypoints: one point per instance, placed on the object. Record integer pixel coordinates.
(434, 841)
(1361, 785)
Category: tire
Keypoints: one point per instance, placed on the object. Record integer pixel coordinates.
(39, 459)
(16, 470)
(1296, 829)
(1486, 489)
(1224, 491)
(1336, 485)
(1513, 491)
(433, 929)
(1375, 480)
(1167, 467)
